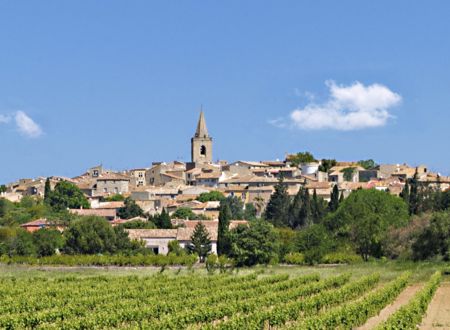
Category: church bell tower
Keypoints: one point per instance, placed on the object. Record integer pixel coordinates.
(201, 143)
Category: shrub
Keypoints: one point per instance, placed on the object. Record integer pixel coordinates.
(211, 263)
(295, 258)
(341, 258)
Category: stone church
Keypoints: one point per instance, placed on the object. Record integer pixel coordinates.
(201, 143)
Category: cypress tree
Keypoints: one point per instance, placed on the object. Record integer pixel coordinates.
(47, 191)
(334, 199)
(223, 237)
(278, 206)
(405, 193)
(415, 195)
(294, 210)
(318, 209)
(305, 211)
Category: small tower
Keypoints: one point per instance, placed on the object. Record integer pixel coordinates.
(201, 143)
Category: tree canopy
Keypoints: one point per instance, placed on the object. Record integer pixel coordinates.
(66, 195)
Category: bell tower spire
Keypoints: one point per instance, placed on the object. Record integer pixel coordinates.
(201, 143)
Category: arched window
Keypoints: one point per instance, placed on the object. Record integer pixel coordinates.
(203, 150)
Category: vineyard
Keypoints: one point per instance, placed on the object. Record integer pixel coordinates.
(251, 301)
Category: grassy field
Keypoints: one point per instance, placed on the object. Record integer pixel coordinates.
(388, 270)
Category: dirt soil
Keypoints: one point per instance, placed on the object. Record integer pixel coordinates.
(384, 314)
(438, 313)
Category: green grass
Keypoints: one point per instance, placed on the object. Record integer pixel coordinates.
(388, 270)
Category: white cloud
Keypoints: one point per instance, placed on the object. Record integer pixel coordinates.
(348, 108)
(26, 125)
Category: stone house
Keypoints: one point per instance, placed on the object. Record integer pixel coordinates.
(112, 184)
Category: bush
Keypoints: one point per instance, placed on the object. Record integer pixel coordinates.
(104, 260)
(341, 258)
(314, 243)
(295, 258)
(211, 263)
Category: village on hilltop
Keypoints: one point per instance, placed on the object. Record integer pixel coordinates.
(175, 185)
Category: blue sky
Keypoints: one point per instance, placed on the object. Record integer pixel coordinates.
(121, 82)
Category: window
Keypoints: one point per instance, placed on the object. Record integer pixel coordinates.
(116, 190)
(105, 190)
(95, 173)
(203, 150)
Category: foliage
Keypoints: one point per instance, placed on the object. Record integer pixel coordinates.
(350, 315)
(138, 224)
(66, 195)
(348, 173)
(365, 217)
(114, 198)
(162, 220)
(254, 244)
(175, 248)
(314, 242)
(250, 212)
(184, 213)
(47, 191)
(299, 214)
(236, 207)
(334, 199)
(368, 164)
(211, 263)
(301, 158)
(398, 242)
(327, 164)
(410, 315)
(435, 239)
(129, 210)
(295, 258)
(3, 188)
(341, 258)
(91, 235)
(47, 242)
(211, 196)
(104, 260)
(286, 241)
(200, 241)
(22, 244)
(318, 208)
(223, 234)
(277, 209)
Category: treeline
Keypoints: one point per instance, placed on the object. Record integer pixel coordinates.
(368, 224)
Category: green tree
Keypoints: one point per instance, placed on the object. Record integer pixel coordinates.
(184, 213)
(91, 235)
(3, 188)
(211, 196)
(236, 207)
(301, 158)
(327, 164)
(277, 209)
(250, 211)
(47, 191)
(114, 198)
(47, 241)
(223, 235)
(162, 220)
(368, 164)
(200, 241)
(254, 244)
(334, 199)
(130, 209)
(348, 173)
(365, 217)
(295, 207)
(175, 248)
(22, 244)
(435, 239)
(405, 193)
(67, 195)
(318, 208)
(313, 242)
(415, 195)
